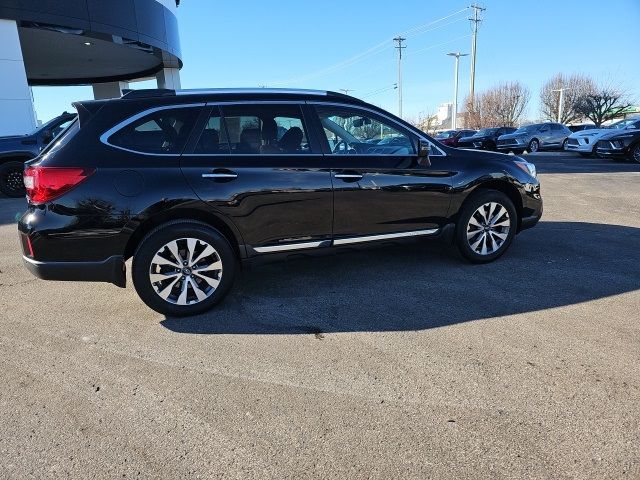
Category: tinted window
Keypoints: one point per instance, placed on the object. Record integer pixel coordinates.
(266, 129)
(213, 139)
(350, 131)
(555, 126)
(163, 131)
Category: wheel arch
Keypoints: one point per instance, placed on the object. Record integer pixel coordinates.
(506, 187)
(143, 228)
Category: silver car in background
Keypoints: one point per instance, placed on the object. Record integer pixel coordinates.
(539, 136)
(584, 142)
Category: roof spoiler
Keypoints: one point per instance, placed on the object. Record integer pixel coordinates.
(147, 93)
(87, 109)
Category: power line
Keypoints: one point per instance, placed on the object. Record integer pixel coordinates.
(380, 90)
(376, 49)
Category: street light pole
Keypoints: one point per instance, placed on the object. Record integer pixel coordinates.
(399, 41)
(454, 115)
(560, 102)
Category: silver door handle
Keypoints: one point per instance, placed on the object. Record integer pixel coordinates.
(352, 176)
(219, 175)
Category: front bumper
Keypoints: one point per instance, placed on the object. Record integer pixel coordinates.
(611, 149)
(111, 270)
(579, 147)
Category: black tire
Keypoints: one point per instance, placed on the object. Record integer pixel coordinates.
(470, 206)
(564, 144)
(161, 236)
(11, 182)
(585, 154)
(634, 153)
(534, 145)
(518, 152)
(491, 146)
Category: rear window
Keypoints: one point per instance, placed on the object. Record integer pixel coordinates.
(63, 138)
(161, 132)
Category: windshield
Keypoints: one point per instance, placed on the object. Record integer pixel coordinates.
(485, 131)
(446, 134)
(623, 124)
(527, 129)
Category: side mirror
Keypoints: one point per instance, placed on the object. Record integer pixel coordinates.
(424, 150)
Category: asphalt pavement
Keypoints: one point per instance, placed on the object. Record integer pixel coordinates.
(394, 362)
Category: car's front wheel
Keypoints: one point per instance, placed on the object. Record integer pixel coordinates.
(635, 153)
(534, 146)
(183, 268)
(486, 226)
(11, 182)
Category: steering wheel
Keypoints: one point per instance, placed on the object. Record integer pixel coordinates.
(343, 146)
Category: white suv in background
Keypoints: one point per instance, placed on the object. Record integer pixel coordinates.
(584, 142)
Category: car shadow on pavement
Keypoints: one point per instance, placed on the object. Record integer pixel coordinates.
(426, 285)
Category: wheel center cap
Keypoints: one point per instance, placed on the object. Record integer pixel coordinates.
(186, 271)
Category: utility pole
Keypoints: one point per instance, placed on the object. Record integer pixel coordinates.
(560, 102)
(454, 114)
(399, 41)
(475, 22)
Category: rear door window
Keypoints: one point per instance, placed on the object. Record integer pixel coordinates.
(266, 129)
(162, 131)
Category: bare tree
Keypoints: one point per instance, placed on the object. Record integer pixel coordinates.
(425, 122)
(605, 104)
(575, 88)
(499, 106)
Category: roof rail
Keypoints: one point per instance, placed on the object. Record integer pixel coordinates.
(147, 93)
(204, 91)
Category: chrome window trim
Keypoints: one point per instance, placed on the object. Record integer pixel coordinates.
(104, 138)
(403, 127)
(384, 236)
(290, 246)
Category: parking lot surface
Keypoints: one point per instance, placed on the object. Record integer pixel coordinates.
(396, 362)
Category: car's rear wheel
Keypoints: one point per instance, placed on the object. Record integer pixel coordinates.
(564, 144)
(534, 145)
(486, 226)
(11, 182)
(635, 153)
(183, 268)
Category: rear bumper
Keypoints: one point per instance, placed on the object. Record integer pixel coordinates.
(111, 270)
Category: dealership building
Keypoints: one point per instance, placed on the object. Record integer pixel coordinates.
(102, 43)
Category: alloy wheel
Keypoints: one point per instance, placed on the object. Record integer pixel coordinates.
(185, 271)
(533, 146)
(488, 228)
(13, 181)
(635, 154)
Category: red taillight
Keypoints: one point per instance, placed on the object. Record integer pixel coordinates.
(46, 183)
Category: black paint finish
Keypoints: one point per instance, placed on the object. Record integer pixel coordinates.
(274, 200)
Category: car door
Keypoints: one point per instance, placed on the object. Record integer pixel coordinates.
(381, 190)
(558, 134)
(546, 135)
(256, 165)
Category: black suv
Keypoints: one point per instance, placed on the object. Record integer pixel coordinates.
(485, 139)
(188, 183)
(17, 149)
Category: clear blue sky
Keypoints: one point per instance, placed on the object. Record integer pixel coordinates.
(290, 43)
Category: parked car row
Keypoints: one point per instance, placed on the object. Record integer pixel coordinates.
(621, 139)
(586, 142)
